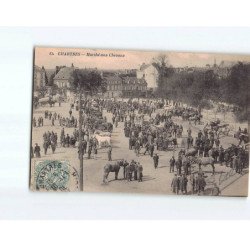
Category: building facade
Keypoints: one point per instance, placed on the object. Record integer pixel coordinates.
(150, 74)
(114, 86)
(39, 77)
(64, 77)
(132, 86)
(125, 86)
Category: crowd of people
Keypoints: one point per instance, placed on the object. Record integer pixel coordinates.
(38, 122)
(149, 127)
(133, 170)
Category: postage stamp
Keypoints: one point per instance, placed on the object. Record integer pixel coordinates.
(54, 175)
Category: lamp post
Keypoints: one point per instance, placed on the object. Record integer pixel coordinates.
(80, 138)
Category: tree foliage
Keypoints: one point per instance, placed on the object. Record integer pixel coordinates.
(198, 87)
(162, 64)
(90, 82)
(51, 79)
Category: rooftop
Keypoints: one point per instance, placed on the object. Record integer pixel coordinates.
(64, 73)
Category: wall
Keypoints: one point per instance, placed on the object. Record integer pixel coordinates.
(62, 83)
(151, 76)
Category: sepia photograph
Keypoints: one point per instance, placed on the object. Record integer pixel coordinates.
(149, 122)
(124, 118)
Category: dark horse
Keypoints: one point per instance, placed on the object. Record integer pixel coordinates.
(113, 167)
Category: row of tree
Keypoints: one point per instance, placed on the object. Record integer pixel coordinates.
(198, 87)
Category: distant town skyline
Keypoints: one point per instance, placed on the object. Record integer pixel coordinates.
(124, 59)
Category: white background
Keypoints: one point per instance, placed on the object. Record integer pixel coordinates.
(16, 202)
(16, 53)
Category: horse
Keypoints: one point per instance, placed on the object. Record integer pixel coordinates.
(204, 161)
(191, 152)
(115, 167)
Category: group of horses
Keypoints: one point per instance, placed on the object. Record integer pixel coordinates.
(116, 166)
(187, 114)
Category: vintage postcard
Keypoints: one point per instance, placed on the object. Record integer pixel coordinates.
(146, 122)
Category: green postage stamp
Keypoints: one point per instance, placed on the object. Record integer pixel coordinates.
(54, 175)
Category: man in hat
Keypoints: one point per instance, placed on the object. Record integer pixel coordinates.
(146, 148)
(221, 155)
(234, 162)
(151, 149)
(134, 168)
(156, 160)
(109, 153)
(175, 184)
(183, 184)
(178, 164)
(130, 142)
(199, 134)
(37, 151)
(140, 170)
(201, 183)
(53, 146)
(89, 151)
(137, 147)
(128, 172)
(192, 182)
(172, 163)
(45, 146)
(67, 140)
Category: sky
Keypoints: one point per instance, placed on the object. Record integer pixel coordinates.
(108, 59)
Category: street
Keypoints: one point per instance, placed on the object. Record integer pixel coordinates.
(154, 180)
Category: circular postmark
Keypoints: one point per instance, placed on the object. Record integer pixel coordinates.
(52, 175)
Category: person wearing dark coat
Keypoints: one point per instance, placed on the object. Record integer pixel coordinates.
(156, 160)
(130, 142)
(109, 153)
(84, 146)
(175, 184)
(89, 152)
(45, 146)
(193, 184)
(37, 151)
(67, 140)
(146, 148)
(172, 163)
(53, 147)
(128, 172)
(183, 184)
(151, 149)
(179, 165)
(140, 170)
(201, 183)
